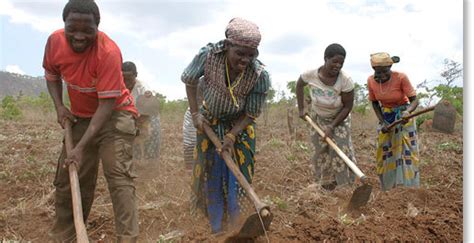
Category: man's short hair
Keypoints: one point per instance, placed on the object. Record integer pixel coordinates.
(83, 7)
(129, 67)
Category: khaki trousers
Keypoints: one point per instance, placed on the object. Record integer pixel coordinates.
(113, 146)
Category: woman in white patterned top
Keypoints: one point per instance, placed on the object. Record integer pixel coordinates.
(332, 94)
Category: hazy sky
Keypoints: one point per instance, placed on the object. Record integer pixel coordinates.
(162, 37)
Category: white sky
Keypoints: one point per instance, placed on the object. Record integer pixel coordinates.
(14, 69)
(162, 37)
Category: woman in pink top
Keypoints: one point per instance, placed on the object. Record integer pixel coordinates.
(393, 97)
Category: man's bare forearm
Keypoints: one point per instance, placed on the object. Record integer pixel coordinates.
(55, 90)
(101, 116)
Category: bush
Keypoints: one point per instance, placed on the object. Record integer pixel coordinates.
(452, 94)
(422, 118)
(10, 110)
(42, 103)
(173, 106)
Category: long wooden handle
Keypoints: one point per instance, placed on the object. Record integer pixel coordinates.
(341, 154)
(261, 207)
(410, 116)
(81, 233)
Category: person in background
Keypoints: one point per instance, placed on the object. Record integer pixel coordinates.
(393, 98)
(189, 134)
(129, 70)
(189, 140)
(147, 143)
(332, 98)
(103, 115)
(234, 87)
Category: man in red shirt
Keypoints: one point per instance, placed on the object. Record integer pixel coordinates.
(103, 112)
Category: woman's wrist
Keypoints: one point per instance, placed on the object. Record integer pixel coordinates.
(194, 114)
(230, 136)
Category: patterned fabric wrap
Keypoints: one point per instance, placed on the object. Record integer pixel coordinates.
(243, 33)
(214, 187)
(189, 138)
(328, 166)
(397, 152)
(250, 93)
(147, 143)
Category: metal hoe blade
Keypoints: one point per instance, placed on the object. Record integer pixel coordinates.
(253, 227)
(360, 197)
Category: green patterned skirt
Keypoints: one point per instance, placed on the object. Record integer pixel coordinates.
(329, 168)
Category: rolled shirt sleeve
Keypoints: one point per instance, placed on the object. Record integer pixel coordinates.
(256, 99)
(347, 85)
(370, 89)
(407, 88)
(110, 77)
(51, 72)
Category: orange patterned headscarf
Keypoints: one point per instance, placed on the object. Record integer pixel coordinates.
(243, 33)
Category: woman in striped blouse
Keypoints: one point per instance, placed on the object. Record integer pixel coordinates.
(234, 87)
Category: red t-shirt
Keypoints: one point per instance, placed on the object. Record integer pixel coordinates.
(92, 75)
(392, 93)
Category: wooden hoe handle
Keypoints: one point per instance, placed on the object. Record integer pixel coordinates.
(81, 232)
(341, 154)
(410, 116)
(261, 207)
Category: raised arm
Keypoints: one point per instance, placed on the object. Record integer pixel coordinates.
(300, 84)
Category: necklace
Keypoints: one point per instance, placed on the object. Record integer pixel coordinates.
(387, 89)
(325, 80)
(233, 85)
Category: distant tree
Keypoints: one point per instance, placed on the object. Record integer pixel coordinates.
(291, 85)
(271, 95)
(452, 71)
(360, 98)
(445, 90)
(160, 96)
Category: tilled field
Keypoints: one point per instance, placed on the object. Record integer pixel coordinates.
(283, 179)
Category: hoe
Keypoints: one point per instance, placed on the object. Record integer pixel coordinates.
(258, 223)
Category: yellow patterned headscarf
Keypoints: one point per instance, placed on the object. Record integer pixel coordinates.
(382, 59)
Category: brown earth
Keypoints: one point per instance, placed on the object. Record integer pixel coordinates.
(303, 212)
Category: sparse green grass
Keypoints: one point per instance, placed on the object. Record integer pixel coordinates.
(347, 220)
(449, 146)
(302, 147)
(280, 203)
(276, 142)
(291, 157)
